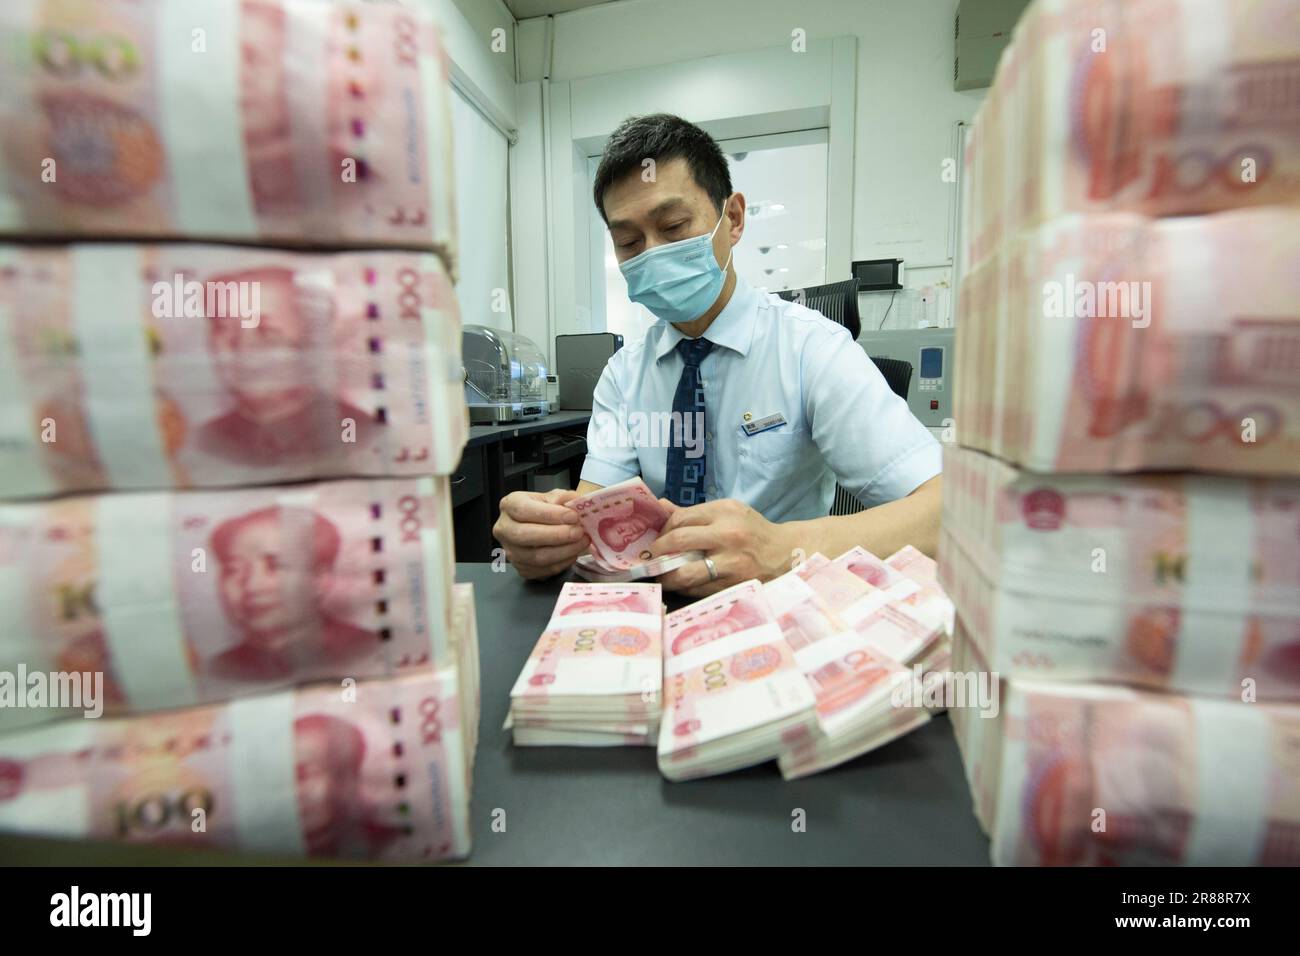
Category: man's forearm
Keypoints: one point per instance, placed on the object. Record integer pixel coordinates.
(881, 530)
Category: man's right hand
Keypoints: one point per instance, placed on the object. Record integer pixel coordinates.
(541, 537)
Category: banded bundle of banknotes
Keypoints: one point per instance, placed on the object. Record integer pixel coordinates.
(593, 680)
(1157, 107)
(1072, 773)
(188, 365)
(872, 638)
(1130, 643)
(170, 599)
(1138, 637)
(814, 668)
(621, 522)
(288, 122)
(1181, 582)
(227, 610)
(1095, 335)
(372, 769)
(1115, 342)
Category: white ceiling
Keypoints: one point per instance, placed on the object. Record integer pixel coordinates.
(523, 9)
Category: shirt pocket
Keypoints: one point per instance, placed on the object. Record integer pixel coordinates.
(772, 454)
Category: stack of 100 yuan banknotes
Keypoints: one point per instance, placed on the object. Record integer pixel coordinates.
(818, 666)
(227, 610)
(1131, 303)
(594, 677)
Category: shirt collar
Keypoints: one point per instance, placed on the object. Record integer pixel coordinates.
(733, 328)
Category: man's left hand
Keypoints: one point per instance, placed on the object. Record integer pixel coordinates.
(740, 542)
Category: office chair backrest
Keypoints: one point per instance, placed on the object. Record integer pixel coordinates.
(897, 372)
(837, 301)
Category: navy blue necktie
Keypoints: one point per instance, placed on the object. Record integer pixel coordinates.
(684, 477)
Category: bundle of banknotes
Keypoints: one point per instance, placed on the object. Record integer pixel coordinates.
(814, 668)
(872, 639)
(1160, 107)
(184, 365)
(1116, 342)
(621, 522)
(225, 524)
(1095, 335)
(868, 637)
(732, 689)
(156, 600)
(1184, 582)
(371, 769)
(594, 678)
(290, 122)
(1070, 774)
(1119, 313)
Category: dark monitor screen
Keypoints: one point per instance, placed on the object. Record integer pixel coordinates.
(932, 362)
(877, 274)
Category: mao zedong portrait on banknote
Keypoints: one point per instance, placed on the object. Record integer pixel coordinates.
(276, 605)
(266, 369)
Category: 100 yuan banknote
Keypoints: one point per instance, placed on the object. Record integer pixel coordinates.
(622, 521)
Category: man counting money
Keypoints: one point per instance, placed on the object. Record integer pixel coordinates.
(770, 402)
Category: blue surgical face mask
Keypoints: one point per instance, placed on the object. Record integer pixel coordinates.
(677, 281)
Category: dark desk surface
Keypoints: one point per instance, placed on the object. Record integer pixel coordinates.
(486, 434)
(907, 803)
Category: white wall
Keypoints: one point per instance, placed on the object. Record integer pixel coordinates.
(905, 110)
(487, 75)
(480, 43)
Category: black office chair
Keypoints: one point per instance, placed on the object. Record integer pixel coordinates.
(897, 372)
(837, 301)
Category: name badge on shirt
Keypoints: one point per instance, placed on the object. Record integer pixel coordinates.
(764, 424)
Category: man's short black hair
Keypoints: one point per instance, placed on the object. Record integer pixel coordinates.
(662, 137)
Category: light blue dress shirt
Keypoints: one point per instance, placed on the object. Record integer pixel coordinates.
(770, 357)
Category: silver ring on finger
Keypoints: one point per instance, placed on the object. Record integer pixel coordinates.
(713, 571)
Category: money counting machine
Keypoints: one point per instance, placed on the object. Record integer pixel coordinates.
(505, 376)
